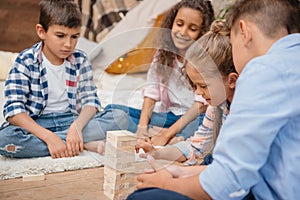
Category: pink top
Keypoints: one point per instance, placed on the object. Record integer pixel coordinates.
(176, 97)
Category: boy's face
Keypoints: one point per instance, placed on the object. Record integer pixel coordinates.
(212, 89)
(240, 48)
(59, 42)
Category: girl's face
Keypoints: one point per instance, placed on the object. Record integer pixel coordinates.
(59, 42)
(186, 27)
(212, 89)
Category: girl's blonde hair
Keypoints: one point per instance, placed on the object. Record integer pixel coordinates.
(214, 49)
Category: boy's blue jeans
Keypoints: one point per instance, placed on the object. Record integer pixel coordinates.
(28, 145)
(164, 120)
(158, 193)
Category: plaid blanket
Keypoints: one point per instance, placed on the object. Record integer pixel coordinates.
(100, 16)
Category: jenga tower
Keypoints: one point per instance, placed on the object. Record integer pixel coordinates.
(119, 165)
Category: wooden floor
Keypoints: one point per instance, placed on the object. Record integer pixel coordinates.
(83, 184)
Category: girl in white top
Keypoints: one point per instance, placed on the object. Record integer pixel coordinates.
(166, 81)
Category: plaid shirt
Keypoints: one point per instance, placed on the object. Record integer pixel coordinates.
(26, 88)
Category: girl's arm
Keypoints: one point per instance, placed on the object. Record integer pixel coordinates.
(56, 146)
(167, 134)
(146, 113)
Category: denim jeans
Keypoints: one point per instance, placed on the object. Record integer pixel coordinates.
(164, 120)
(28, 145)
(156, 193)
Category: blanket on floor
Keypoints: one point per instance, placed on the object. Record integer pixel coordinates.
(16, 168)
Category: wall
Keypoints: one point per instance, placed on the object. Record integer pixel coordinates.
(17, 28)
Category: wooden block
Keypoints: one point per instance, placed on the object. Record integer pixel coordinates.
(34, 177)
(116, 177)
(121, 138)
(117, 194)
(126, 151)
(119, 165)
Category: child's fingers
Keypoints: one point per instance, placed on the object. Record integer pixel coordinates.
(81, 148)
(155, 166)
(149, 171)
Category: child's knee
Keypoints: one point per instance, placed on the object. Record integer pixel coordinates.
(10, 148)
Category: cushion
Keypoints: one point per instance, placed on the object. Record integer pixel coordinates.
(89, 47)
(6, 61)
(138, 59)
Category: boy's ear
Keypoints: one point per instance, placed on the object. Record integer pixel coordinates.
(232, 78)
(40, 31)
(245, 32)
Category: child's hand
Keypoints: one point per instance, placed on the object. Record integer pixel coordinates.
(141, 136)
(74, 140)
(146, 145)
(56, 146)
(159, 136)
(142, 132)
(159, 178)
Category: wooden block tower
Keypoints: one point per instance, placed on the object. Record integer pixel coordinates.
(119, 165)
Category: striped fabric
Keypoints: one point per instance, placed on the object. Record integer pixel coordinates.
(201, 142)
(100, 16)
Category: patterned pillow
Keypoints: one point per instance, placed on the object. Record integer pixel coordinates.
(6, 61)
(100, 16)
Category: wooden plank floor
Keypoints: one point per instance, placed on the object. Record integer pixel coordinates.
(83, 184)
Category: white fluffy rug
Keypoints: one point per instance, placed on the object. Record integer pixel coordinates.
(15, 168)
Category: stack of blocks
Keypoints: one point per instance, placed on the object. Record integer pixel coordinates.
(120, 165)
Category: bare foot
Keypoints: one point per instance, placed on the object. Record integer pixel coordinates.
(95, 146)
(101, 147)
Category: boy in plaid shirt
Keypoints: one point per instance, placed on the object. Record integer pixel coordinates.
(51, 102)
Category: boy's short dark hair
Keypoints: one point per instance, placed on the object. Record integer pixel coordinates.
(269, 15)
(60, 12)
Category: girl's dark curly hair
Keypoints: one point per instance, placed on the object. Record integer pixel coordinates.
(167, 52)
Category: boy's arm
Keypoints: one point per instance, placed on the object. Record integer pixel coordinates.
(187, 183)
(167, 134)
(87, 89)
(74, 137)
(189, 186)
(56, 146)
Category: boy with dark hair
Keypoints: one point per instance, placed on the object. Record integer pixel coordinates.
(51, 101)
(257, 149)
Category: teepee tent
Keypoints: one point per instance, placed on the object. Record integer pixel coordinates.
(127, 35)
